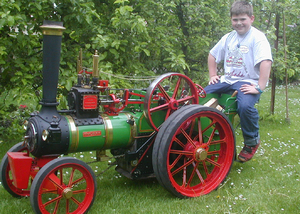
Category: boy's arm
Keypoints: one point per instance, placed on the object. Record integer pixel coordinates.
(264, 74)
(264, 70)
(212, 68)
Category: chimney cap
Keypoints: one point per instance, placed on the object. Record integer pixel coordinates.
(52, 28)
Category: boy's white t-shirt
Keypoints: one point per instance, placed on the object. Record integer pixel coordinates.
(242, 55)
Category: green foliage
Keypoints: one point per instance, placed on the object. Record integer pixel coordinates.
(11, 121)
(265, 13)
(287, 66)
(122, 42)
(181, 33)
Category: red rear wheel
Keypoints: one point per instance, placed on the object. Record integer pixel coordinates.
(64, 185)
(194, 151)
(166, 94)
(6, 176)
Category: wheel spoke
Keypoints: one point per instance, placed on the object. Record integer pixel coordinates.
(164, 93)
(205, 168)
(179, 142)
(176, 88)
(55, 181)
(213, 152)
(191, 178)
(180, 152)
(180, 168)
(209, 126)
(175, 162)
(184, 175)
(213, 162)
(56, 207)
(199, 175)
(195, 170)
(211, 136)
(200, 135)
(61, 177)
(184, 100)
(54, 191)
(79, 191)
(68, 206)
(75, 200)
(58, 198)
(159, 108)
(76, 181)
(192, 126)
(214, 142)
(189, 139)
(71, 177)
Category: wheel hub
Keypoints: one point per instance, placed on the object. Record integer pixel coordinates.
(173, 104)
(200, 154)
(68, 193)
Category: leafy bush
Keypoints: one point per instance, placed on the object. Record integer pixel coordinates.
(11, 122)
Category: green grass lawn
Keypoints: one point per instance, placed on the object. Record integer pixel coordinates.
(269, 183)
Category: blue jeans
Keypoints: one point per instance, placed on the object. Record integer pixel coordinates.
(245, 108)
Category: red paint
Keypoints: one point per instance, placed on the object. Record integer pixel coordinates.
(90, 102)
(91, 134)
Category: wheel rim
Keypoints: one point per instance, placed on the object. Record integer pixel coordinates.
(68, 188)
(161, 102)
(7, 179)
(198, 161)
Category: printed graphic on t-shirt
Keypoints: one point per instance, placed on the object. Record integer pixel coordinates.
(235, 63)
(244, 49)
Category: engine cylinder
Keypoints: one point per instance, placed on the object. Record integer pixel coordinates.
(114, 132)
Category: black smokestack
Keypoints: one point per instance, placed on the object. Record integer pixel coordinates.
(52, 36)
(52, 32)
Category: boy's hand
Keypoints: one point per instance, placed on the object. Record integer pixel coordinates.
(214, 79)
(249, 89)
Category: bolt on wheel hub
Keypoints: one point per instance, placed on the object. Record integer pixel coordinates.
(67, 193)
(200, 154)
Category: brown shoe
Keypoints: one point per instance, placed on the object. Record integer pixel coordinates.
(248, 152)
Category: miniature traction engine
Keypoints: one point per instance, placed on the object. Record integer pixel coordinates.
(171, 130)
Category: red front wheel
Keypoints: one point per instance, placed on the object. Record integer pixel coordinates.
(64, 185)
(193, 151)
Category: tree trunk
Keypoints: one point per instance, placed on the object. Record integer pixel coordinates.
(273, 75)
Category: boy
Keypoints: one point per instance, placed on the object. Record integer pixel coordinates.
(247, 63)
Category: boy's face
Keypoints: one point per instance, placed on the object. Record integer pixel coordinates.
(241, 23)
